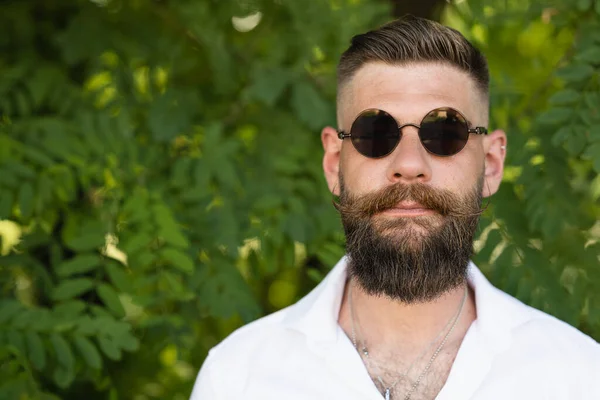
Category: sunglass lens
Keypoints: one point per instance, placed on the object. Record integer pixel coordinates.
(444, 132)
(375, 133)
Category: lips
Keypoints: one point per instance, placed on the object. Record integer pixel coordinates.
(410, 205)
(408, 209)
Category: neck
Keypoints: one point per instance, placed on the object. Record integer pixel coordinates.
(392, 326)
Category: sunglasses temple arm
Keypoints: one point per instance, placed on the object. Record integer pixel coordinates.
(480, 130)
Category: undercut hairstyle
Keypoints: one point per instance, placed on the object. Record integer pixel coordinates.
(410, 40)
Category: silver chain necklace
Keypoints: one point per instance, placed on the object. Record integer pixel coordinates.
(365, 352)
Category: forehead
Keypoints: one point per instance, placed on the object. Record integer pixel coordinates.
(408, 92)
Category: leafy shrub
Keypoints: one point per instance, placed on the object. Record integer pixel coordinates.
(160, 166)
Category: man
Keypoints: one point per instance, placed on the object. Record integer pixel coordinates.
(406, 315)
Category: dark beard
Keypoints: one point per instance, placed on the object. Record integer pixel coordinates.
(414, 259)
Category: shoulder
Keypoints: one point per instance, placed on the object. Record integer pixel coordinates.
(530, 331)
(531, 341)
(265, 346)
(557, 337)
(233, 359)
(244, 341)
(542, 342)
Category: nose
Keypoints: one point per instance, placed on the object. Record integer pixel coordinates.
(409, 162)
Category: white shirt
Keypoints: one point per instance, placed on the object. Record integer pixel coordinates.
(511, 351)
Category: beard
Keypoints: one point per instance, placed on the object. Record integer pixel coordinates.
(414, 259)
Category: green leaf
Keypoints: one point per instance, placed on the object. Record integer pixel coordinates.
(592, 99)
(22, 103)
(181, 173)
(22, 171)
(576, 72)
(64, 183)
(583, 5)
(8, 308)
(42, 321)
(565, 97)
(330, 253)
(83, 233)
(268, 84)
(295, 227)
(494, 238)
(37, 157)
(63, 352)
(63, 377)
(137, 202)
(88, 351)
(70, 308)
(87, 242)
(590, 55)
(174, 285)
(127, 342)
(593, 153)
(44, 191)
(119, 276)
(36, 352)
(26, 200)
(169, 115)
(576, 142)
(85, 325)
(7, 200)
(173, 236)
(178, 259)
(108, 347)
(556, 116)
(562, 135)
(79, 264)
(202, 175)
(168, 228)
(310, 106)
(143, 260)
(111, 299)
(15, 339)
(71, 288)
(135, 244)
(315, 275)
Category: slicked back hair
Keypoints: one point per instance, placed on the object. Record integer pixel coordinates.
(411, 40)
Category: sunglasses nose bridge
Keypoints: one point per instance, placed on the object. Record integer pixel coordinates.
(400, 127)
(410, 140)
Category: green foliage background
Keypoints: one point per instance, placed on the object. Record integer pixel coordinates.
(164, 131)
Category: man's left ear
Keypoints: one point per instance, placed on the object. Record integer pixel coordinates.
(494, 146)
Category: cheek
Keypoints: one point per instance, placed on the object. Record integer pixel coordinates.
(360, 174)
(457, 173)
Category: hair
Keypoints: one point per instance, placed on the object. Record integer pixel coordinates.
(412, 39)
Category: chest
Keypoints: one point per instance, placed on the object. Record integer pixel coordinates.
(422, 378)
(339, 373)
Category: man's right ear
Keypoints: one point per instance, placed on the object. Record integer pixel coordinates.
(332, 146)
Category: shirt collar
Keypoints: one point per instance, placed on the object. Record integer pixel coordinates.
(316, 314)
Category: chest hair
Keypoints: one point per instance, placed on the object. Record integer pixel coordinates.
(390, 368)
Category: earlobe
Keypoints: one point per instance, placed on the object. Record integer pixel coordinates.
(495, 152)
(332, 147)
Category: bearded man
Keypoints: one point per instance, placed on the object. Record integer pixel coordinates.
(406, 315)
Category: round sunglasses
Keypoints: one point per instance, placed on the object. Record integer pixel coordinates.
(443, 132)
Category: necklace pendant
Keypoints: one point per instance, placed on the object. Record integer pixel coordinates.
(387, 394)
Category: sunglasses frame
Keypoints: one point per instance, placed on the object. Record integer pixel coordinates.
(478, 130)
